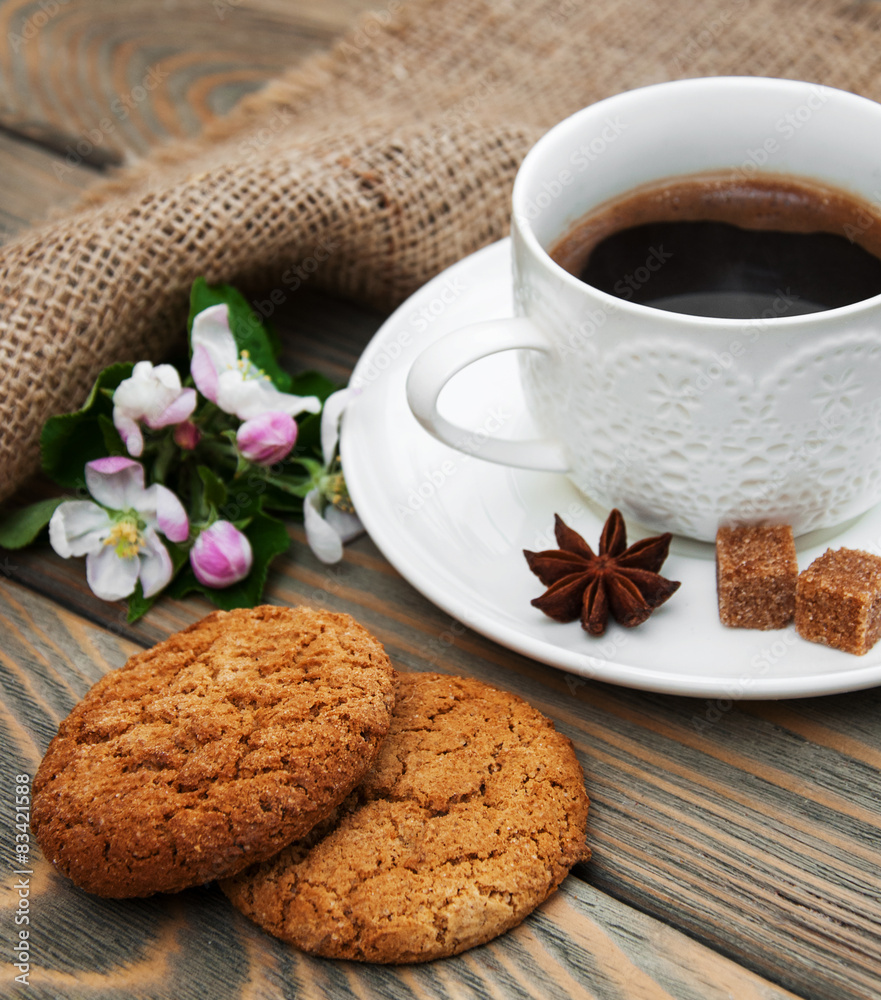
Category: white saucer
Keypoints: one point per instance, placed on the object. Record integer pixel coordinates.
(455, 526)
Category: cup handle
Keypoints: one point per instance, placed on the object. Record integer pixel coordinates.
(437, 364)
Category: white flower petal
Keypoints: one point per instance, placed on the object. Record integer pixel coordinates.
(156, 569)
(168, 375)
(211, 331)
(110, 577)
(233, 391)
(78, 527)
(252, 397)
(322, 539)
(152, 395)
(115, 482)
(176, 412)
(331, 415)
(204, 373)
(347, 526)
(134, 396)
(147, 392)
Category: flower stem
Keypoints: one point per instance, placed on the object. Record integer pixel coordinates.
(295, 489)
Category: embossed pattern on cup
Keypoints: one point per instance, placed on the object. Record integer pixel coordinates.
(686, 423)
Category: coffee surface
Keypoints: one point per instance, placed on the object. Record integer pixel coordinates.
(710, 245)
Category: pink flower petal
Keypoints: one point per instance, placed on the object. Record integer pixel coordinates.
(214, 349)
(130, 433)
(267, 439)
(204, 373)
(112, 464)
(171, 515)
(221, 555)
(177, 412)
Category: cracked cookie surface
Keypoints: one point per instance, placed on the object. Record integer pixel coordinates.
(472, 815)
(212, 750)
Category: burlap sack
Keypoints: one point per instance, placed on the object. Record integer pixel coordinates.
(366, 171)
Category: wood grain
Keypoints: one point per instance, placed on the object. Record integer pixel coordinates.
(101, 80)
(580, 944)
(89, 84)
(727, 837)
(35, 184)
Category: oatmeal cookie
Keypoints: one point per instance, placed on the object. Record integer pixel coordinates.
(472, 815)
(212, 750)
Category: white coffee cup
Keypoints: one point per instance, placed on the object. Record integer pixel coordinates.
(684, 422)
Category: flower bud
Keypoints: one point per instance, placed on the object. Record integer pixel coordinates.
(267, 439)
(187, 435)
(221, 555)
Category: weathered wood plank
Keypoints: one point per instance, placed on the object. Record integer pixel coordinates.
(35, 183)
(755, 827)
(86, 84)
(580, 944)
(105, 79)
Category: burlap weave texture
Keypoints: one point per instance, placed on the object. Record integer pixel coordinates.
(374, 167)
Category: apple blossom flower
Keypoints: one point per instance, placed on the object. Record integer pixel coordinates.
(153, 396)
(267, 439)
(328, 516)
(221, 555)
(232, 380)
(118, 533)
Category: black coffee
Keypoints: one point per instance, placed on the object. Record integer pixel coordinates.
(740, 250)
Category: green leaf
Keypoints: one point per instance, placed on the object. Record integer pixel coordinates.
(69, 440)
(312, 384)
(283, 503)
(20, 527)
(274, 338)
(138, 605)
(113, 443)
(215, 488)
(247, 329)
(244, 498)
(308, 435)
(268, 538)
(165, 461)
(254, 493)
(309, 424)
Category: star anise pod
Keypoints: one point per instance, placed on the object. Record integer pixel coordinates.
(620, 581)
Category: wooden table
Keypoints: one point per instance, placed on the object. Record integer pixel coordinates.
(738, 859)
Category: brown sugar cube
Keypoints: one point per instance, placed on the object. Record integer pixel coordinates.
(838, 601)
(756, 574)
